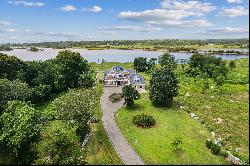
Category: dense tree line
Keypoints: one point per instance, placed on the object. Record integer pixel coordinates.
(158, 43)
(45, 136)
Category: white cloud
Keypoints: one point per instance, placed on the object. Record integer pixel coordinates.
(234, 1)
(234, 12)
(118, 28)
(94, 9)
(4, 23)
(26, 3)
(12, 30)
(68, 8)
(196, 6)
(108, 33)
(227, 30)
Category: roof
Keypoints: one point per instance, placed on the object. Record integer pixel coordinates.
(136, 79)
(118, 70)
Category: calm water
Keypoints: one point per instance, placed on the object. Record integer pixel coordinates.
(107, 55)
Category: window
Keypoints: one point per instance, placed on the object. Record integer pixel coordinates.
(140, 87)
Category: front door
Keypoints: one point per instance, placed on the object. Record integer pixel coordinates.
(118, 83)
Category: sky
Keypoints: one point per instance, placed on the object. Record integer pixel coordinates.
(62, 20)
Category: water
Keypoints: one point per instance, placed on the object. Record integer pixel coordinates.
(107, 55)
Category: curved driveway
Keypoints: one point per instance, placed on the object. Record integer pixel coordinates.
(124, 150)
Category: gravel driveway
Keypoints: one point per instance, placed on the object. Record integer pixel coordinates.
(124, 150)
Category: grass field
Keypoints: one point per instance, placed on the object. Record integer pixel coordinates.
(154, 144)
(229, 103)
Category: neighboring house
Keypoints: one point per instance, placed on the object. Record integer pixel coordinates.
(118, 76)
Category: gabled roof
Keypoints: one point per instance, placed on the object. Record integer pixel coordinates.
(136, 79)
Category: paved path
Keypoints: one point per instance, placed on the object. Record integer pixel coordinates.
(124, 150)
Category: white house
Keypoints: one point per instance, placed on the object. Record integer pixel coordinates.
(118, 76)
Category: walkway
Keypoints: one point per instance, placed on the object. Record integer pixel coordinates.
(124, 150)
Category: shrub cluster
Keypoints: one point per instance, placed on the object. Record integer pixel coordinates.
(144, 121)
(214, 147)
(115, 97)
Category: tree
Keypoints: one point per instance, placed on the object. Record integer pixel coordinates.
(152, 63)
(11, 67)
(207, 66)
(13, 90)
(167, 61)
(130, 94)
(140, 64)
(75, 107)
(163, 87)
(59, 145)
(20, 124)
(70, 67)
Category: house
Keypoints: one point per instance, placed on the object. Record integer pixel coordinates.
(118, 76)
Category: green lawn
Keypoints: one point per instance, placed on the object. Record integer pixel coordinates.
(154, 144)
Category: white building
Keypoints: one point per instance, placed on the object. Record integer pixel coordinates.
(118, 76)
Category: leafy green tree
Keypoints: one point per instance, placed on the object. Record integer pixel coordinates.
(152, 63)
(20, 124)
(130, 94)
(167, 61)
(140, 64)
(163, 87)
(74, 107)
(11, 67)
(13, 90)
(59, 145)
(70, 67)
(40, 94)
(232, 65)
(208, 66)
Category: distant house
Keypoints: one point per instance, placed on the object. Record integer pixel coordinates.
(118, 76)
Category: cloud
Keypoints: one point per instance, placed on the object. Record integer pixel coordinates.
(108, 33)
(4, 23)
(234, 12)
(68, 8)
(234, 1)
(195, 6)
(120, 28)
(26, 3)
(227, 31)
(94, 9)
(11, 30)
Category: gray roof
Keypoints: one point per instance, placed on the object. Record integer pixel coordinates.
(118, 69)
(136, 79)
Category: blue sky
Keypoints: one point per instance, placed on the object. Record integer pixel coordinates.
(60, 20)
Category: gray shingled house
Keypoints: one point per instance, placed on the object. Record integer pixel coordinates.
(118, 76)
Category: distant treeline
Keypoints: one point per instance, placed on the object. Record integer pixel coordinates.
(139, 44)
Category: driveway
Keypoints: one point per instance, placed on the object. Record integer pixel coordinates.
(124, 150)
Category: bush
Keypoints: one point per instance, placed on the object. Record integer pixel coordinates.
(232, 64)
(115, 97)
(13, 90)
(163, 87)
(59, 145)
(214, 147)
(144, 121)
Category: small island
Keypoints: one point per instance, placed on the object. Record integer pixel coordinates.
(34, 49)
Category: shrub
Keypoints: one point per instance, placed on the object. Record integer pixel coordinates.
(59, 145)
(163, 87)
(20, 124)
(214, 147)
(115, 97)
(13, 90)
(232, 64)
(144, 121)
